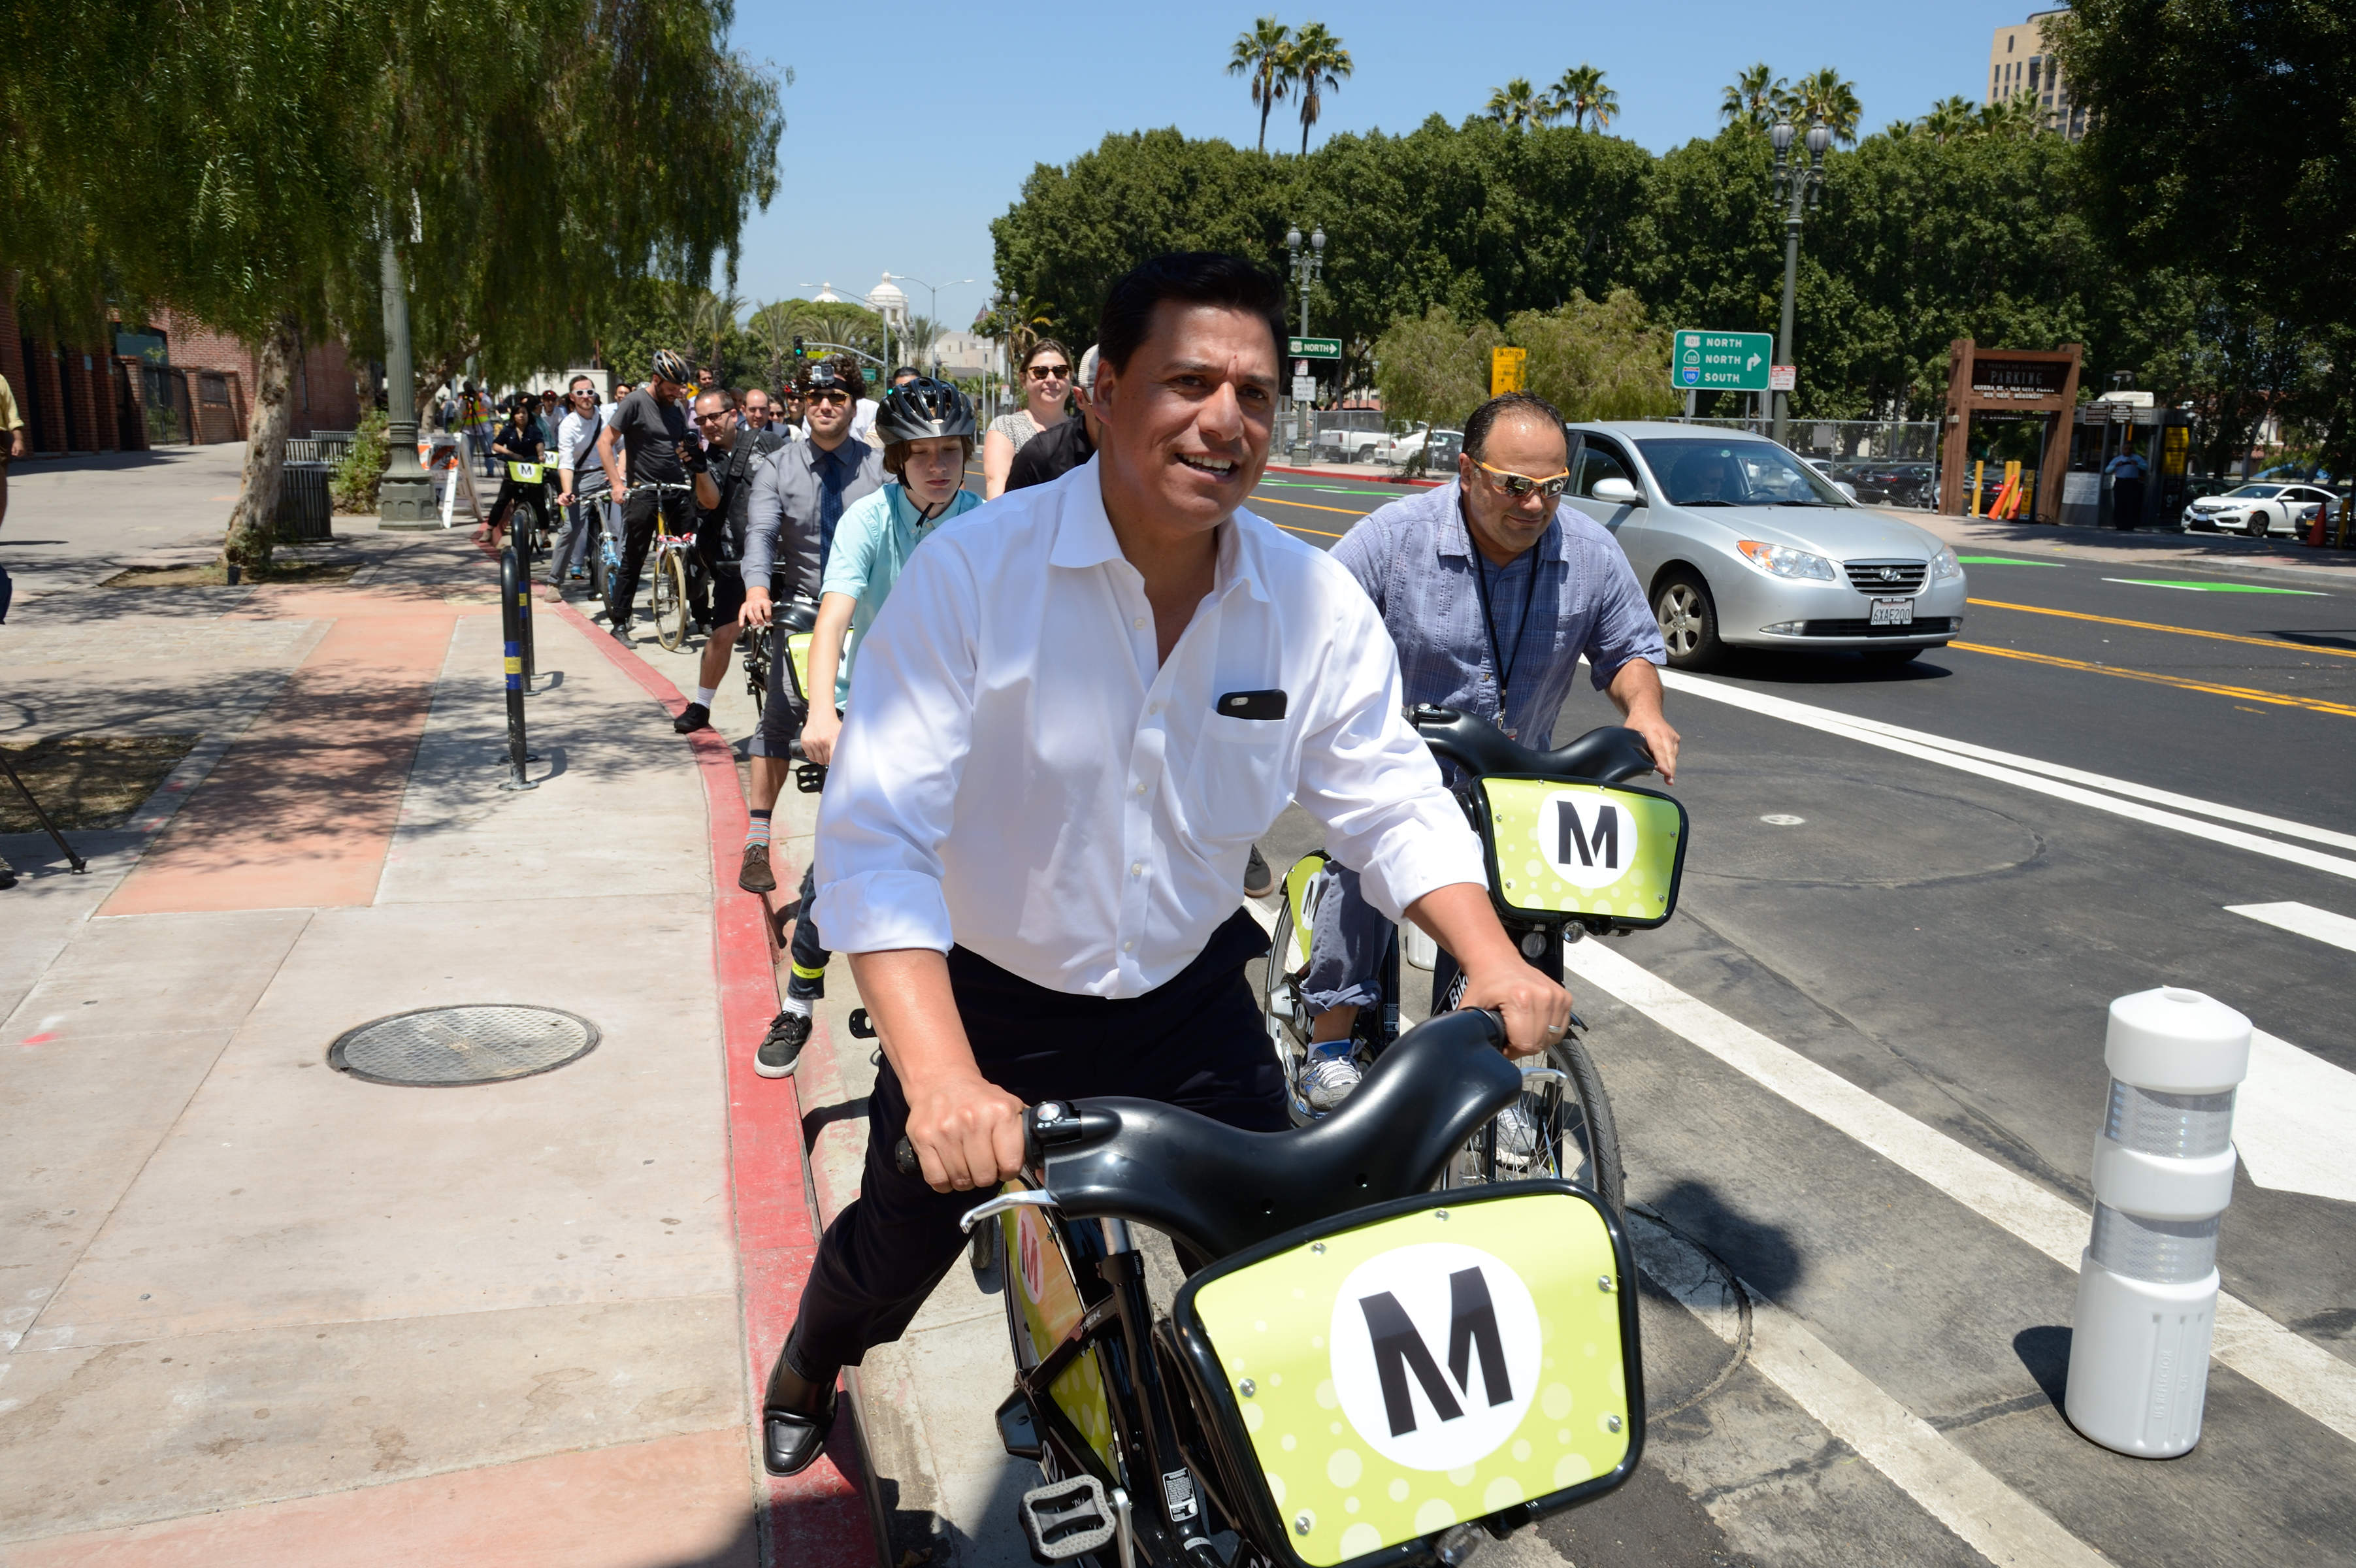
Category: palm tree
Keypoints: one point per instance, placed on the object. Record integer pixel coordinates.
(1823, 95)
(1581, 94)
(1515, 106)
(1750, 97)
(1317, 62)
(1949, 120)
(2015, 117)
(1262, 55)
(711, 317)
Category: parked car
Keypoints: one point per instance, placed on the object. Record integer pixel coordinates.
(2258, 510)
(1399, 446)
(1347, 435)
(1738, 541)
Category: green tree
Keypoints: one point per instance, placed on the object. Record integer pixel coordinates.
(530, 160)
(1433, 369)
(1825, 95)
(1517, 107)
(1263, 55)
(1751, 98)
(1582, 95)
(1317, 64)
(1597, 358)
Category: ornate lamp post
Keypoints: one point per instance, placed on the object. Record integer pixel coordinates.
(934, 290)
(1307, 268)
(406, 492)
(1801, 183)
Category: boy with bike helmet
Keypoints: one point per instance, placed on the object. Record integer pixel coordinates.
(927, 429)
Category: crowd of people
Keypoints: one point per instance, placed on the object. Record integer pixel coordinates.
(1056, 715)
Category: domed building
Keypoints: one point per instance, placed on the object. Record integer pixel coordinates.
(887, 300)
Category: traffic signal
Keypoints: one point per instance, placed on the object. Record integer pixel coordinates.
(797, 345)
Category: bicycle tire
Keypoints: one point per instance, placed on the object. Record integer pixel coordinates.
(667, 601)
(1578, 1139)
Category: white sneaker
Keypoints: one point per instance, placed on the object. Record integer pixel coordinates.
(1328, 1081)
(1518, 1136)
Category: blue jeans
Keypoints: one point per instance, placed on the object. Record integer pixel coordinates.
(1347, 936)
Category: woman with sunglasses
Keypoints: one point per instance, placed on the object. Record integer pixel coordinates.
(1046, 382)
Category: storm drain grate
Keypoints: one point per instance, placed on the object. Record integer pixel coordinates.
(443, 1047)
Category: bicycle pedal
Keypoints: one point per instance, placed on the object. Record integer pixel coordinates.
(862, 1027)
(1063, 1521)
(809, 778)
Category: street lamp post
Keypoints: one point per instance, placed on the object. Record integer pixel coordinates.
(1801, 183)
(934, 295)
(1307, 268)
(405, 494)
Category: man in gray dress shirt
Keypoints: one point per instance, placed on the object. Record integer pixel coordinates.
(799, 495)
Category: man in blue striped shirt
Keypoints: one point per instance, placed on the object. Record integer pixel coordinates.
(1493, 589)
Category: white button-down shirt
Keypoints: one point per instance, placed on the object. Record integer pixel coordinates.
(1016, 775)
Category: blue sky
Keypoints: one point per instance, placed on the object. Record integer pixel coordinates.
(910, 127)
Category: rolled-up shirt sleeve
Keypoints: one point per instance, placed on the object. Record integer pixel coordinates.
(764, 511)
(1625, 626)
(1368, 778)
(891, 794)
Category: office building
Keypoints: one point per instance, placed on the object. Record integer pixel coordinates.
(2020, 62)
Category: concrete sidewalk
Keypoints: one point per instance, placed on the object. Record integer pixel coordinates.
(256, 1311)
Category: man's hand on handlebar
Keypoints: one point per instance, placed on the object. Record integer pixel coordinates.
(819, 732)
(1660, 739)
(967, 1133)
(757, 609)
(1537, 1011)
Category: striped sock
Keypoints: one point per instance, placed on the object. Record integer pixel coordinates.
(759, 832)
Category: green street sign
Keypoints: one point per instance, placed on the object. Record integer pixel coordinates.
(1313, 347)
(1703, 360)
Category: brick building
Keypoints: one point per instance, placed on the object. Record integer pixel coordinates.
(191, 385)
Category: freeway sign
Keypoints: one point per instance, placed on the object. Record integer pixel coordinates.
(1313, 348)
(1703, 360)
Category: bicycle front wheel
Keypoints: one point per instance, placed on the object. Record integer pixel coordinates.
(1560, 1128)
(668, 601)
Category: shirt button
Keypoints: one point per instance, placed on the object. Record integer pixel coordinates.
(1150, 712)
(1137, 868)
(1140, 789)
(1139, 623)
(1127, 947)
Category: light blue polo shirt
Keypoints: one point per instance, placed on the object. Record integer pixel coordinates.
(872, 543)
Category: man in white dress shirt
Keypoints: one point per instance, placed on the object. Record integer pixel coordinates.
(1080, 707)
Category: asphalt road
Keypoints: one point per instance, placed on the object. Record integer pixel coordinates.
(1944, 930)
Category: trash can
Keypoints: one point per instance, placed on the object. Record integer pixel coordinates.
(304, 503)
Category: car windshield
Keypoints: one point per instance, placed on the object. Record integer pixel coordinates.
(1718, 471)
(2258, 492)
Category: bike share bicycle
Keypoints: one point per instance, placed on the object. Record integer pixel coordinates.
(1573, 851)
(1367, 1371)
(674, 536)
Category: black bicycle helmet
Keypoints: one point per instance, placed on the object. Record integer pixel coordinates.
(672, 366)
(922, 410)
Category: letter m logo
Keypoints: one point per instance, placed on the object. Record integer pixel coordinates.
(1604, 846)
(1400, 1352)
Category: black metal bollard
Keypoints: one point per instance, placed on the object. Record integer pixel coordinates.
(520, 548)
(514, 599)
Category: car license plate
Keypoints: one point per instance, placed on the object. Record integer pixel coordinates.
(1892, 612)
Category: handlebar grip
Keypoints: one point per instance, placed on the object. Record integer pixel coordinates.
(903, 1155)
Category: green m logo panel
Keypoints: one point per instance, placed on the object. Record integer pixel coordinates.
(1557, 847)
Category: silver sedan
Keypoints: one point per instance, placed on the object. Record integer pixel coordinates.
(1738, 543)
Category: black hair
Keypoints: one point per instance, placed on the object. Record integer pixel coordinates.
(844, 372)
(906, 370)
(1188, 277)
(1477, 428)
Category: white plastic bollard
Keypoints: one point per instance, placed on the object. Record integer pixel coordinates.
(2163, 1177)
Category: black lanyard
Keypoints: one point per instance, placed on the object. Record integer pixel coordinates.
(1503, 662)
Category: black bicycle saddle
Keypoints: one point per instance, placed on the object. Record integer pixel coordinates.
(1611, 755)
(1222, 1189)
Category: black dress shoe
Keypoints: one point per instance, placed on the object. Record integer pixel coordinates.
(692, 717)
(797, 1413)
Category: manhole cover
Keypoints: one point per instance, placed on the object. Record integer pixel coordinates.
(447, 1046)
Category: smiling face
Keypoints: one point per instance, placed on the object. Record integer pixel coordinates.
(831, 409)
(1502, 526)
(1046, 381)
(1187, 421)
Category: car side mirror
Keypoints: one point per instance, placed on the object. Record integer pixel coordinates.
(1844, 487)
(1617, 492)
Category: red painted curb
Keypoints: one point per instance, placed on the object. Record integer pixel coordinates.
(819, 1519)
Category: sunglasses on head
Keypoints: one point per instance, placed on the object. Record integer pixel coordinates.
(1050, 372)
(1519, 486)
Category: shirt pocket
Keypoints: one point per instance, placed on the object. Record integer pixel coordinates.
(1237, 782)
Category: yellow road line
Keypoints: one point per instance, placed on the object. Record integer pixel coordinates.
(1302, 528)
(2247, 693)
(2179, 630)
(1306, 506)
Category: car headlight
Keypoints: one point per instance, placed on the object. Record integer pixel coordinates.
(1785, 561)
(1945, 566)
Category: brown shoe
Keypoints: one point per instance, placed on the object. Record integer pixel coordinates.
(754, 875)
